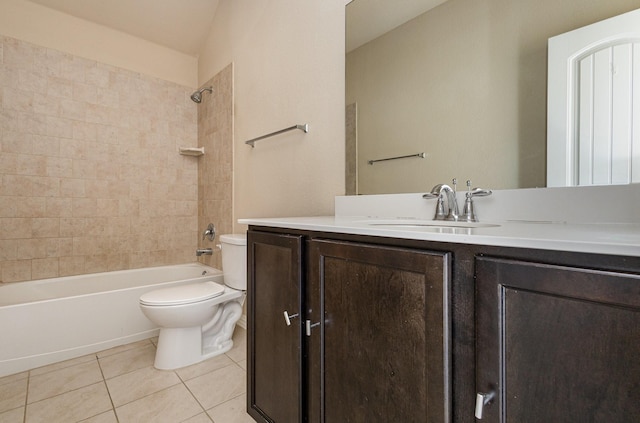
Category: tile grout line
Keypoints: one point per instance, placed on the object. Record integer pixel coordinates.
(193, 396)
(26, 398)
(104, 380)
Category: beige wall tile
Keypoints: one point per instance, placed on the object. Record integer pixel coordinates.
(44, 268)
(16, 270)
(71, 265)
(83, 141)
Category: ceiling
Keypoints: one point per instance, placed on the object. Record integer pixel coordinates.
(184, 25)
(181, 25)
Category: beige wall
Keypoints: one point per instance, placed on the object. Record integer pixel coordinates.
(469, 91)
(46, 27)
(91, 178)
(288, 58)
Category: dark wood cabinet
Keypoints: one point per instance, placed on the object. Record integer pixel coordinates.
(274, 361)
(557, 343)
(396, 330)
(381, 350)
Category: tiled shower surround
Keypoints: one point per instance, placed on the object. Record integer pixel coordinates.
(90, 175)
(215, 168)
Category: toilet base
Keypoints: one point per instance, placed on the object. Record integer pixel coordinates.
(181, 347)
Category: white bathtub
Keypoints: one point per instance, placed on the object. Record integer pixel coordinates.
(50, 320)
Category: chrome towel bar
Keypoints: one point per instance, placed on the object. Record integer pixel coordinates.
(421, 155)
(304, 127)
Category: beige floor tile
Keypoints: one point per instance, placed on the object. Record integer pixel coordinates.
(64, 380)
(218, 386)
(127, 361)
(63, 364)
(13, 395)
(12, 378)
(171, 405)
(242, 364)
(232, 411)
(139, 383)
(200, 418)
(72, 406)
(122, 348)
(204, 367)
(12, 416)
(108, 417)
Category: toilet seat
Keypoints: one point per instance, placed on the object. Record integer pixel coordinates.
(183, 294)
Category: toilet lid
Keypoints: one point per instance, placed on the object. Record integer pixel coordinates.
(183, 294)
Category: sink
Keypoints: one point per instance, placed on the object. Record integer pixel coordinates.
(427, 223)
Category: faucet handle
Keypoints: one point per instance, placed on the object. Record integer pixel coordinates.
(479, 192)
(469, 212)
(210, 232)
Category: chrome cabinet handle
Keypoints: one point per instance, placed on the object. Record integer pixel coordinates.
(309, 326)
(287, 317)
(482, 399)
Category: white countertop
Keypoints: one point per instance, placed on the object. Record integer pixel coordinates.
(603, 238)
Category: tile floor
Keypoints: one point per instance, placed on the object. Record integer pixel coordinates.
(120, 385)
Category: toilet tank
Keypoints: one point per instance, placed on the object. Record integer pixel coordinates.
(234, 260)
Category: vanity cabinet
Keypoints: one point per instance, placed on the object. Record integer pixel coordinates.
(557, 343)
(370, 342)
(399, 330)
(274, 359)
(380, 352)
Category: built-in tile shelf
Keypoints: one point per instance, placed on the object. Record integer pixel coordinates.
(192, 151)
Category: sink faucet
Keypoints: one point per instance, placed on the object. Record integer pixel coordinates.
(442, 191)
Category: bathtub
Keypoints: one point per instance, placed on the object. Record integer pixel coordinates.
(50, 320)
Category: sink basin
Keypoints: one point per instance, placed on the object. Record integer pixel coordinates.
(427, 223)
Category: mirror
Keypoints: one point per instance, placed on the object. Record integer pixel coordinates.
(465, 84)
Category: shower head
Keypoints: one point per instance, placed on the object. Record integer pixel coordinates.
(197, 96)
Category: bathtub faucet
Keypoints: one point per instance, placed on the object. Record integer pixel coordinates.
(205, 251)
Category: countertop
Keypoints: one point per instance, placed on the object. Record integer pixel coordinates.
(602, 238)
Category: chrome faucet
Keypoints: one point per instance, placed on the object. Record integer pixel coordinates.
(469, 210)
(205, 251)
(442, 191)
(210, 233)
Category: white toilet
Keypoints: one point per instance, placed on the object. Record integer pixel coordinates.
(197, 320)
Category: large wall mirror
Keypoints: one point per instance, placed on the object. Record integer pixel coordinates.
(462, 81)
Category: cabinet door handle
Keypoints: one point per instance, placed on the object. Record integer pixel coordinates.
(482, 399)
(309, 326)
(287, 317)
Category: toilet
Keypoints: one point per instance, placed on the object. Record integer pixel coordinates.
(197, 320)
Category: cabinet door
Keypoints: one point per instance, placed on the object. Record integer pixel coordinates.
(381, 350)
(274, 359)
(557, 344)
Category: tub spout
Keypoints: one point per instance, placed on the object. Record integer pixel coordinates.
(205, 251)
